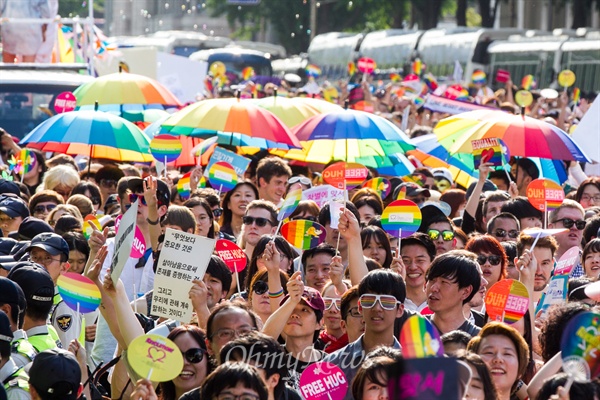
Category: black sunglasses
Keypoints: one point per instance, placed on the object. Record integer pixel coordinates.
(568, 223)
(502, 233)
(260, 287)
(43, 208)
(260, 221)
(194, 356)
(133, 197)
(494, 260)
(217, 212)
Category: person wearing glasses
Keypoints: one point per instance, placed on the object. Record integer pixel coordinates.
(41, 203)
(381, 297)
(352, 322)
(272, 174)
(544, 254)
(92, 192)
(107, 179)
(569, 215)
(490, 256)
(260, 219)
(258, 294)
(588, 192)
(452, 280)
(441, 230)
(504, 227)
(333, 337)
(62, 179)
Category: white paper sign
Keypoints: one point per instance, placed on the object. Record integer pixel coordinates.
(335, 209)
(184, 257)
(124, 242)
(322, 194)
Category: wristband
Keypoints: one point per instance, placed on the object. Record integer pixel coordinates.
(276, 294)
(152, 222)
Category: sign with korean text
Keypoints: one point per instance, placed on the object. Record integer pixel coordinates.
(545, 194)
(424, 379)
(124, 241)
(322, 194)
(183, 259)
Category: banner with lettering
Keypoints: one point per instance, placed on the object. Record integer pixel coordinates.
(424, 379)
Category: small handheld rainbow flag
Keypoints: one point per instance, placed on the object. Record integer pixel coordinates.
(313, 70)
(183, 186)
(303, 234)
(430, 81)
(380, 185)
(290, 203)
(395, 77)
(247, 73)
(528, 82)
(576, 96)
(417, 67)
(28, 160)
(419, 338)
(351, 68)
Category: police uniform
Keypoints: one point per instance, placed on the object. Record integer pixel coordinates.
(65, 320)
(43, 337)
(15, 381)
(22, 352)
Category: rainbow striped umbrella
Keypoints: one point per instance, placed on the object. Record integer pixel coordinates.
(290, 112)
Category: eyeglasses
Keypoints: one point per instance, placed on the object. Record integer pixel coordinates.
(502, 233)
(217, 212)
(353, 312)
(386, 302)
(108, 183)
(587, 197)
(133, 197)
(260, 287)
(308, 218)
(228, 334)
(44, 208)
(330, 301)
(568, 223)
(47, 260)
(302, 179)
(434, 234)
(193, 356)
(493, 259)
(245, 396)
(259, 221)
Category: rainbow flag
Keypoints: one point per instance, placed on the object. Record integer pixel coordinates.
(576, 96)
(380, 185)
(222, 175)
(27, 159)
(417, 67)
(290, 203)
(183, 186)
(313, 70)
(351, 68)
(401, 218)
(479, 77)
(419, 339)
(303, 234)
(394, 77)
(247, 73)
(430, 81)
(76, 288)
(528, 82)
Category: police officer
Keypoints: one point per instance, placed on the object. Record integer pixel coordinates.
(12, 302)
(14, 379)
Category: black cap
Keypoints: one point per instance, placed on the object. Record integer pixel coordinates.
(55, 374)
(6, 334)
(14, 207)
(31, 227)
(52, 243)
(6, 245)
(7, 186)
(35, 281)
(11, 293)
(488, 186)
(163, 193)
(412, 189)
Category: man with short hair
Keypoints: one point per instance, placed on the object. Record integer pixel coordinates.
(272, 174)
(527, 214)
(441, 230)
(382, 294)
(524, 171)
(259, 219)
(492, 204)
(452, 280)
(55, 374)
(544, 253)
(13, 210)
(316, 265)
(504, 227)
(417, 252)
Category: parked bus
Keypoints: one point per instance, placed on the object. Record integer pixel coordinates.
(235, 60)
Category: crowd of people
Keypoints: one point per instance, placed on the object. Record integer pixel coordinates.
(344, 301)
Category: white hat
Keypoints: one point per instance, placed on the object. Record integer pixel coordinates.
(443, 173)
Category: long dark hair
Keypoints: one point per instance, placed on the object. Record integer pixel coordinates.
(489, 390)
(227, 215)
(197, 201)
(375, 232)
(282, 246)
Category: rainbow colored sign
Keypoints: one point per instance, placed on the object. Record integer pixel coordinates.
(487, 151)
(380, 185)
(528, 82)
(165, 147)
(420, 339)
(545, 194)
(290, 203)
(352, 174)
(507, 301)
(581, 338)
(183, 186)
(222, 176)
(155, 357)
(303, 234)
(76, 289)
(401, 218)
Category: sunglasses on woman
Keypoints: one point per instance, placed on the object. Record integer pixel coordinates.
(193, 356)
(260, 287)
(44, 208)
(434, 234)
(493, 259)
(329, 302)
(386, 302)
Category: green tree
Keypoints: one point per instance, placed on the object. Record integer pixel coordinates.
(73, 8)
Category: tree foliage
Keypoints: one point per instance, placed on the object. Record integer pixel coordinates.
(73, 8)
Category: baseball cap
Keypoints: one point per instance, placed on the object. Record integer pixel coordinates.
(52, 243)
(488, 186)
(6, 334)
(311, 297)
(55, 374)
(412, 189)
(6, 245)
(579, 293)
(11, 293)
(35, 281)
(7, 186)
(443, 173)
(14, 207)
(31, 227)
(163, 193)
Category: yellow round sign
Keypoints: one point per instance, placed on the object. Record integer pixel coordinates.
(155, 357)
(566, 78)
(331, 94)
(217, 68)
(523, 98)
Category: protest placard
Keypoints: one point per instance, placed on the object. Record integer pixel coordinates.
(322, 194)
(183, 258)
(124, 242)
(424, 379)
(239, 163)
